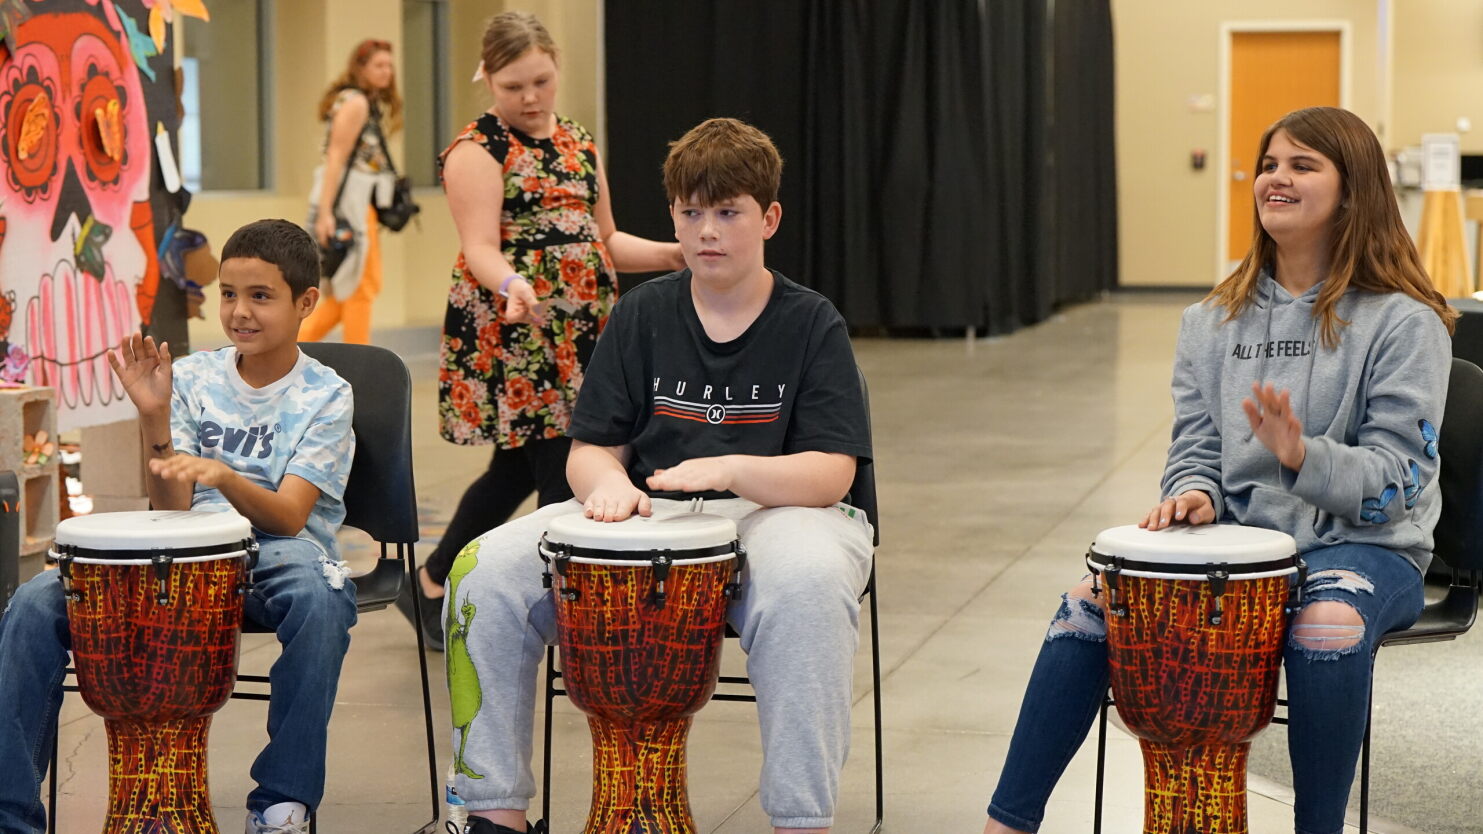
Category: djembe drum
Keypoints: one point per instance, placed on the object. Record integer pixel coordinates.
(1194, 639)
(640, 617)
(154, 602)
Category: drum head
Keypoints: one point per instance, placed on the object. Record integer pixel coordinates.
(1183, 544)
(153, 530)
(640, 536)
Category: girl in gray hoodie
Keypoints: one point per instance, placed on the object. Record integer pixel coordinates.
(1308, 393)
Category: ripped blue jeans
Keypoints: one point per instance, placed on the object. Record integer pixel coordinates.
(295, 595)
(1328, 689)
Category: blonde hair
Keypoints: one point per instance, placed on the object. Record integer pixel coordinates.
(508, 35)
(1369, 249)
(388, 102)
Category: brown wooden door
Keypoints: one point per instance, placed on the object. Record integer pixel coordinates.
(1272, 74)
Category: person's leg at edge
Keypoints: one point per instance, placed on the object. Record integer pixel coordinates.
(499, 621)
(1354, 594)
(355, 313)
(1061, 701)
(310, 606)
(487, 503)
(799, 625)
(34, 640)
(547, 460)
(539, 465)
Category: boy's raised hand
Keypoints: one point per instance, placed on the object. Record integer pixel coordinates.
(144, 369)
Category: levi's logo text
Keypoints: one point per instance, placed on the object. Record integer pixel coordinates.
(1273, 350)
(242, 442)
(717, 404)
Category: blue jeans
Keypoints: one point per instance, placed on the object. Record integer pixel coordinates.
(1328, 691)
(292, 596)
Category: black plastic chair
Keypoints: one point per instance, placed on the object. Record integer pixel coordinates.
(861, 496)
(380, 500)
(1458, 544)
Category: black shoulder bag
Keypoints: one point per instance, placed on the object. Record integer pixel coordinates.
(403, 208)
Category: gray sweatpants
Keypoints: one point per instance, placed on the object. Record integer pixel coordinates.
(798, 617)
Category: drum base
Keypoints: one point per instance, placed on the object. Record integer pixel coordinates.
(1194, 790)
(638, 778)
(157, 777)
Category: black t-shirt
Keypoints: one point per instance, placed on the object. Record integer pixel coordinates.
(658, 384)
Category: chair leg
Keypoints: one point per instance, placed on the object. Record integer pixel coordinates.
(875, 665)
(546, 755)
(51, 808)
(427, 699)
(1101, 765)
(1364, 756)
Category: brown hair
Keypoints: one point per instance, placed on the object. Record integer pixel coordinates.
(508, 35)
(388, 101)
(719, 159)
(1369, 248)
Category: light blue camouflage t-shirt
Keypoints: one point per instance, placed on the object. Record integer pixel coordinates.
(298, 425)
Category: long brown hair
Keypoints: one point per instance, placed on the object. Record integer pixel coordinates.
(388, 102)
(1369, 247)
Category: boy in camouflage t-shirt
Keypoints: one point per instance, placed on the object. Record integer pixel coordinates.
(257, 428)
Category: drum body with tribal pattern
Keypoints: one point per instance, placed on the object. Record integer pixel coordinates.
(154, 604)
(640, 617)
(1195, 627)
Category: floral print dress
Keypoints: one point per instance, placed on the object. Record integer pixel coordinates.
(507, 383)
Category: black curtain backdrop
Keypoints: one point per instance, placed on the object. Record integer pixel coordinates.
(947, 165)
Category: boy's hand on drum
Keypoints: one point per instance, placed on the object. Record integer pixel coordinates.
(616, 502)
(144, 369)
(191, 469)
(695, 475)
(1270, 413)
(1193, 507)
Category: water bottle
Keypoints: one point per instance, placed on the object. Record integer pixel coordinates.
(456, 814)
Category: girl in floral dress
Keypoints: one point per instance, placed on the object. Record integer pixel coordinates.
(532, 286)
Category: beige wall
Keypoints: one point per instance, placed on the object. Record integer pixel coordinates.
(1166, 53)
(1438, 50)
(313, 39)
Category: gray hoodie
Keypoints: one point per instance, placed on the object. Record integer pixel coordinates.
(1370, 408)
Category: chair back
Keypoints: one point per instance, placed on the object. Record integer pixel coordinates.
(380, 497)
(862, 489)
(1459, 531)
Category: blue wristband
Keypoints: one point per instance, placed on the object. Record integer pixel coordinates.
(504, 287)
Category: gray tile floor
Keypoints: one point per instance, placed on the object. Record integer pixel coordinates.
(997, 462)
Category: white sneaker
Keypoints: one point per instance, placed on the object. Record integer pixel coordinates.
(257, 825)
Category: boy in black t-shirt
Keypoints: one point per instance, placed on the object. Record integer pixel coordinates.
(726, 381)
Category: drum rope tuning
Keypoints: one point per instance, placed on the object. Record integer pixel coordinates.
(1216, 573)
(560, 556)
(66, 555)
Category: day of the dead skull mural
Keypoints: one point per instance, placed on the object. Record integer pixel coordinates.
(78, 265)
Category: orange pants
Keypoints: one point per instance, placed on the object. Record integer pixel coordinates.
(354, 313)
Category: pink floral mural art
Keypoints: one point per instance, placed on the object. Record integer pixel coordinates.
(78, 252)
